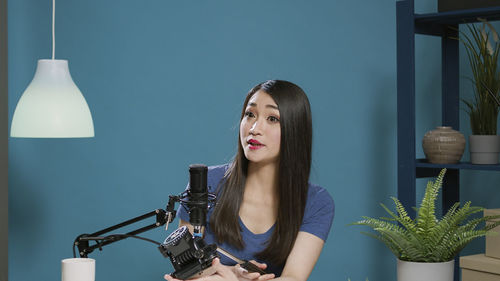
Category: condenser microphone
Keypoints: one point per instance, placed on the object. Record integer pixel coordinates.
(197, 197)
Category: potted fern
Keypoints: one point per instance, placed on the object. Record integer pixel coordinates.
(484, 144)
(425, 246)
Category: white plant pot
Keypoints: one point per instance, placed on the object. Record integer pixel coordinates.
(484, 149)
(428, 271)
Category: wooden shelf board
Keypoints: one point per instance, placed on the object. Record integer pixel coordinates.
(422, 163)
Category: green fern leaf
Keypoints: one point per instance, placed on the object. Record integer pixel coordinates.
(427, 239)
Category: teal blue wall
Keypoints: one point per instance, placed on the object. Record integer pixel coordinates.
(165, 81)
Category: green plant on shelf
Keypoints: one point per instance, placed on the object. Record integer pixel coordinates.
(427, 239)
(483, 53)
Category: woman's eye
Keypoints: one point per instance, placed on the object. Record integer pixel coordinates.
(249, 114)
(273, 119)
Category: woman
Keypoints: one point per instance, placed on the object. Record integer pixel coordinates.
(266, 209)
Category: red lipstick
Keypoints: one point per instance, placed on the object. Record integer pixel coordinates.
(254, 144)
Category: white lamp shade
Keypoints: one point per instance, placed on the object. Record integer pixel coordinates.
(52, 106)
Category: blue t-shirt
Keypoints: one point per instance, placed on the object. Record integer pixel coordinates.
(318, 217)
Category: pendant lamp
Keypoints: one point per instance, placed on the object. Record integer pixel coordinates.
(52, 106)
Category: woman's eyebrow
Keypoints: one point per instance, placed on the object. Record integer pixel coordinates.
(253, 104)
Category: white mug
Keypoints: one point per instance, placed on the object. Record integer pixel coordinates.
(78, 269)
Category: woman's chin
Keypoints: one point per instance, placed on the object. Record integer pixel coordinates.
(255, 160)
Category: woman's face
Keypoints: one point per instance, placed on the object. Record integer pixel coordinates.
(260, 130)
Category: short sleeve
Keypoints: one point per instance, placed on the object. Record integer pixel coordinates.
(319, 212)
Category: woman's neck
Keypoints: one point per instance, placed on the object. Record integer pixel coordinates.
(259, 208)
(262, 178)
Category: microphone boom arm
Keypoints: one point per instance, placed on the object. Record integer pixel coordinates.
(189, 254)
(162, 217)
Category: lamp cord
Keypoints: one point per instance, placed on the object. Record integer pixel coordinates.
(53, 29)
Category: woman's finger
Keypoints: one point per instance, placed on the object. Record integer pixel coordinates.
(170, 278)
(222, 272)
(220, 268)
(260, 265)
(266, 277)
(248, 275)
(243, 273)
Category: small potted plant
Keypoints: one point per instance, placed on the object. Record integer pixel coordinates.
(484, 143)
(425, 246)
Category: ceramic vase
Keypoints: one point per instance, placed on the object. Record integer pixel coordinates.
(484, 149)
(428, 271)
(443, 145)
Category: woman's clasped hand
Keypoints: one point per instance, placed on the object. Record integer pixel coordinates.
(230, 273)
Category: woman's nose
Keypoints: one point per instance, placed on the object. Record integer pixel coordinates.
(255, 129)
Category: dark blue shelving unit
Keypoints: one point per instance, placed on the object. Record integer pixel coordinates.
(422, 164)
(443, 25)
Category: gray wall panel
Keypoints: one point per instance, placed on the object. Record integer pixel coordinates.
(3, 143)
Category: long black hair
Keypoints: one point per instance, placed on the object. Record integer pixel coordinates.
(294, 168)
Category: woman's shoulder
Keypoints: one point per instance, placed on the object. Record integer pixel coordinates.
(215, 175)
(217, 171)
(317, 190)
(318, 195)
(218, 168)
